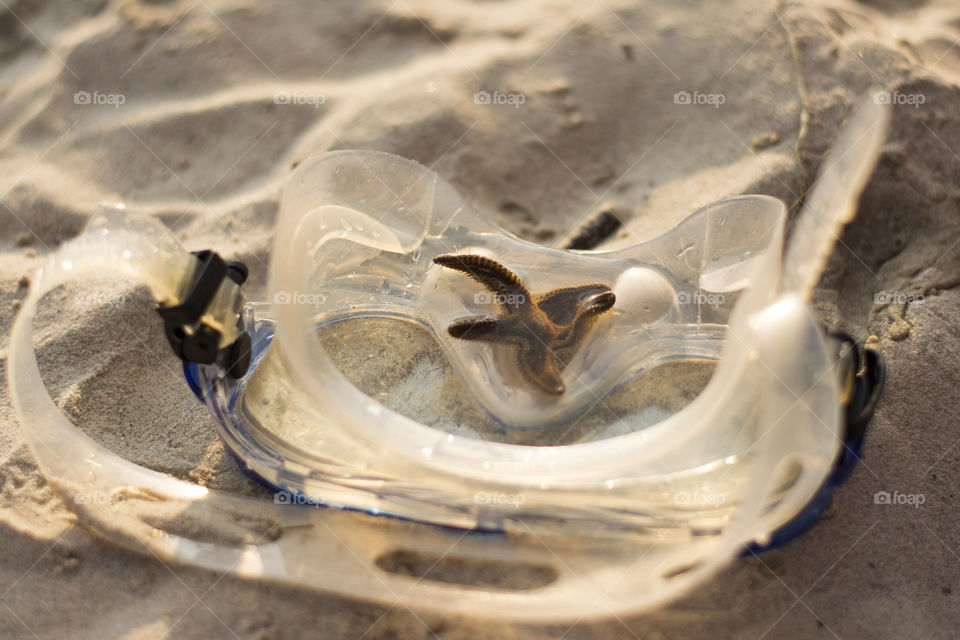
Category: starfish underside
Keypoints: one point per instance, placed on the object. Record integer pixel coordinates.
(537, 325)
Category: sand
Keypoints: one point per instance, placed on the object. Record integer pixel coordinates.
(171, 107)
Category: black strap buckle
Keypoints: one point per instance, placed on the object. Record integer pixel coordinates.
(201, 343)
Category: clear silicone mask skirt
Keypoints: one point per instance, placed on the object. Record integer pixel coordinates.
(614, 425)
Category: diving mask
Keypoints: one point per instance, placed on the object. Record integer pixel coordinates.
(620, 423)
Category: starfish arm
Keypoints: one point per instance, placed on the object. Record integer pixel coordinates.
(563, 305)
(539, 365)
(486, 329)
(576, 332)
(584, 320)
(491, 274)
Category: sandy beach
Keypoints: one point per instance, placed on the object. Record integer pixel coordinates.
(195, 112)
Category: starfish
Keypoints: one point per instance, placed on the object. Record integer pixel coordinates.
(538, 325)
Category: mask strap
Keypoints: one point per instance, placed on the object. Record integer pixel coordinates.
(198, 295)
(862, 378)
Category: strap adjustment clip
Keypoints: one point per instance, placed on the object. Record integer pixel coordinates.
(194, 340)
